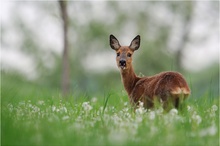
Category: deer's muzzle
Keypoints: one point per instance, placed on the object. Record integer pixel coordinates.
(122, 64)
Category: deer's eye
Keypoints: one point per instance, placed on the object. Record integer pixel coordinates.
(118, 54)
(129, 54)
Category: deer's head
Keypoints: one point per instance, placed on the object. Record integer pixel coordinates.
(124, 53)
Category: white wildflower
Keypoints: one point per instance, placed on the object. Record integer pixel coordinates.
(101, 108)
(139, 119)
(141, 104)
(30, 105)
(86, 106)
(63, 109)
(53, 108)
(197, 119)
(94, 99)
(212, 111)
(40, 102)
(10, 107)
(35, 109)
(127, 115)
(214, 108)
(188, 108)
(152, 115)
(125, 103)
(139, 110)
(116, 119)
(125, 110)
(173, 112)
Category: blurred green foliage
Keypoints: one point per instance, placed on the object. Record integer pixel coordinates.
(89, 35)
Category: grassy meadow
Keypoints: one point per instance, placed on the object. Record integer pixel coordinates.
(31, 115)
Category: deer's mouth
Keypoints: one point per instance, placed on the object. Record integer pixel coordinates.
(123, 67)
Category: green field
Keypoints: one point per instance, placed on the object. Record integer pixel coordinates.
(31, 115)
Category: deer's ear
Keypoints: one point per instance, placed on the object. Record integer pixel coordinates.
(135, 43)
(114, 43)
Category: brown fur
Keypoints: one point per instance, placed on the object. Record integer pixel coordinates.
(165, 87)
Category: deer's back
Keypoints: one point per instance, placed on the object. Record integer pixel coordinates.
(163, 85)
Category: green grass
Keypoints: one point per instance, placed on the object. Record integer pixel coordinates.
(36, 117)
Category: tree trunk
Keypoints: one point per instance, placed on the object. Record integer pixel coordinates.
(65, 83)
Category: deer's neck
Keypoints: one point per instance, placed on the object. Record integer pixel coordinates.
(129, 79)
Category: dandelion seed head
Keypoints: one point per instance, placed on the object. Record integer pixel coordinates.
(94, 99)
(214, 108)
(197, 119)
(86, 106)
(139, 110)
(35, 109)
(173, 112)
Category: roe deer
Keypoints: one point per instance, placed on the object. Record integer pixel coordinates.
(166, 87)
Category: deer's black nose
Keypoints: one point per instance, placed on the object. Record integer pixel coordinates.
(122, 63)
